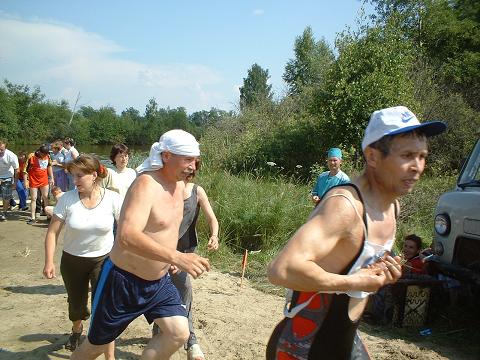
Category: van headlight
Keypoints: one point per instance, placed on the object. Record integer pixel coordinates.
(442, 224)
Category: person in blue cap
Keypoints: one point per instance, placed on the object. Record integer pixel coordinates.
(330, 178)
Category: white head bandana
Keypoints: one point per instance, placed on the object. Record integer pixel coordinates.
(177, 142)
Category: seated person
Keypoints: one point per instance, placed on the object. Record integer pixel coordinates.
(382, 302)
(411, 252)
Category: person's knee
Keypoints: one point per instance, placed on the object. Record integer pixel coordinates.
(178, 332)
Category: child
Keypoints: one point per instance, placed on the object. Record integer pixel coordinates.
(57, 193)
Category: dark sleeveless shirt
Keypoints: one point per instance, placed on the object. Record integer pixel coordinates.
(188, 240)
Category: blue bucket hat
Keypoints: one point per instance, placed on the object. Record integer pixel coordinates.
(334, 152)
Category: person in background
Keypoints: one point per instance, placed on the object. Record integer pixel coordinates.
(21, 190)
(330, 178)
(87, 212)
(8, 176)
(124, 176)
(58, 165)
(411, 251)
(70, 154)
(194, 199)
(38, 175)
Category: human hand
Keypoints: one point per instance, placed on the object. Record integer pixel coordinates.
(392, 267)
(369, 279)
(213, 243)
(193, 264)
(51, 182)
(49, 271)
(174, 269)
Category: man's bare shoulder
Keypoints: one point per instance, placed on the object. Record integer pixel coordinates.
(147, 184)
(340, 205)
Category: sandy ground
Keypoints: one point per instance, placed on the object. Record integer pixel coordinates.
(232, 322)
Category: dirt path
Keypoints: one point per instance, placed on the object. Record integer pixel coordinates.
(231, 322)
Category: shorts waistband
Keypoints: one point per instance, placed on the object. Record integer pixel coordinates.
(135, 277)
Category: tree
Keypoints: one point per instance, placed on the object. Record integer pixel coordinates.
(447, 33)
(311, 61)
(255, 89)
(151, 110)
(371, 73)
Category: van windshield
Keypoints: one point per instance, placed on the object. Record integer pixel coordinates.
(470, 175)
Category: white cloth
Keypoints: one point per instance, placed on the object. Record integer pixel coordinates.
(70, 155)
(8, 163)
(88, 232)
(177, 142)
(123, 180)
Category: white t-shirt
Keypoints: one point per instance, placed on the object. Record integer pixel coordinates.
(8, 163)
(88, 232)
(123, 180)
(69, 155)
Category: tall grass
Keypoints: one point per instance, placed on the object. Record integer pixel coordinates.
(262, 213)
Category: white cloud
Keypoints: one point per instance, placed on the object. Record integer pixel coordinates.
(63, 59)
(258, 12)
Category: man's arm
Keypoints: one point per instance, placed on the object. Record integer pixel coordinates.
(133, 220)
(298, 264)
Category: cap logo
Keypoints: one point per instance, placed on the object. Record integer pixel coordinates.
(407, 116)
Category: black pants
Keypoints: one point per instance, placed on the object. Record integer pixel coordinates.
(77, 273)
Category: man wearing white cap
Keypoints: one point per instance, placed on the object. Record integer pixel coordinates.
(134, 280)
(342, 253)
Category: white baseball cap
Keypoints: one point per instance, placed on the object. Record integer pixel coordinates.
(397, 120)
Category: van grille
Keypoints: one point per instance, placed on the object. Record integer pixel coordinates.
(467, 253)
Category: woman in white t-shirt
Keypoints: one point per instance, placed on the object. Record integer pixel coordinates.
(124, 176)
(88, 213)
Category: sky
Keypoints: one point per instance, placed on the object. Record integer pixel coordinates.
(193, 54)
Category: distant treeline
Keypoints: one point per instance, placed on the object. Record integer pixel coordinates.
(27, 118)
(424, 54)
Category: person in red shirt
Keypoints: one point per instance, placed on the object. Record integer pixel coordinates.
(39, 175)
(411, 251)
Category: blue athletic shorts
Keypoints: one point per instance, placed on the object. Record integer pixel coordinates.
(120, 297)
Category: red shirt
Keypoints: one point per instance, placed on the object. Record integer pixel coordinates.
(37, 169)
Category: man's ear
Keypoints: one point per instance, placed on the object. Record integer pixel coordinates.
(372, 156)
(166, 155)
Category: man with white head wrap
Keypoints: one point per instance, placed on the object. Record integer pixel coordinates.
(134, 280)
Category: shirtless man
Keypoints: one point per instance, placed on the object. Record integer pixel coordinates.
(342, 253)
(135, 280)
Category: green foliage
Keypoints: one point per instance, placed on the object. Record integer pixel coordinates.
(255, 89)
(312, 60)
(447, 32)
(449, 150)
(371, 73)
(25, 117)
